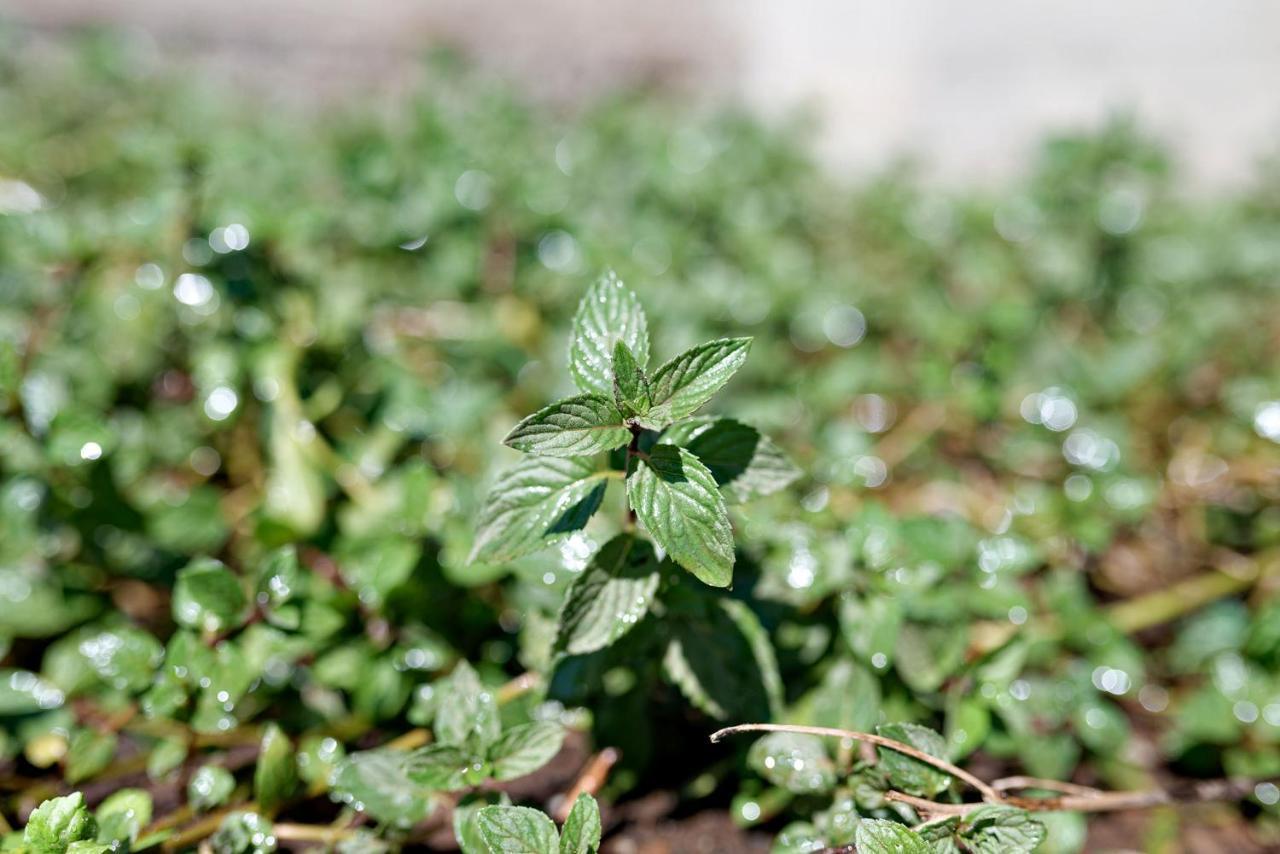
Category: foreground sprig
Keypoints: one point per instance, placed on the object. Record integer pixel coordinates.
(678, 473)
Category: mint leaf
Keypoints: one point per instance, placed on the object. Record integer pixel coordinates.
(630, 386)
(525, 748)
(444, 767)
(207, 596)
(682, 385)
(123, 815)
(468, 711)
(1001, 830)
(581, 831)
(517, 830)
(576, 427)
(847, 698)
(89, 752)
(535, 500)
(798, 763)
(276, 774)
(610, 596)
(676, 498)
(721, 660)
(876, 836)
(745, 463)
(57, 823)
(609, 313)
(210, 787)
(911, 775)
(378, 781)
(244, 833)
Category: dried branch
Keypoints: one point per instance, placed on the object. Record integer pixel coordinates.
(1072, 798)
(988, 793)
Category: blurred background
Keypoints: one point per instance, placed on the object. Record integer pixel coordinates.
(970, 90)
(277, 277)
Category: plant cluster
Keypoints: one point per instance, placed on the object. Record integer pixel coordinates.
(268, 577)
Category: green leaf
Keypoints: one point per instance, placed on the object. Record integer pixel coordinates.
(610, 596)
(125, 657)
(276, 774)
(244, 833)
(22, 692)
(942, 836)
(468, 712)
(798, 837)
(926, 655)
(745, 463)
(89, 752)
(630, 386)
(516, 830)
(207, 596)
(465, 831)
(581, 831)
(1001, 830)
(525, 748)
(576, 427)
(682, 385)
(376, 782)
(847, 698)
(721, 660)
(906, 773)
(798, 763)
(536, 500)
(375, 567)
(445, 767)
(608, 314)
(57, 823)
(123, 815)
(210, 787)
(876, 836)
(676, 498)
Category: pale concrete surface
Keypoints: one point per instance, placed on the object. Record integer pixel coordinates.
(967, 86)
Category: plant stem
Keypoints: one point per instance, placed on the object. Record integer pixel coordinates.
(633, 450)
(988, 793)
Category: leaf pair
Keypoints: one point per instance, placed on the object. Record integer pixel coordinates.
(521, 830)
(674, 487)
(471, 744)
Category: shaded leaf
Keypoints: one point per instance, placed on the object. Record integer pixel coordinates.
(610, 596)
(718, 667)
(745, 463)
(676, 498)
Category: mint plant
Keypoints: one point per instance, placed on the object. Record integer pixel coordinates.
(679, 473)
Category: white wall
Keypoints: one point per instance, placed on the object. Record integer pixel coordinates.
(968, 85)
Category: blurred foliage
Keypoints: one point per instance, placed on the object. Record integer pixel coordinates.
(256, 363)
